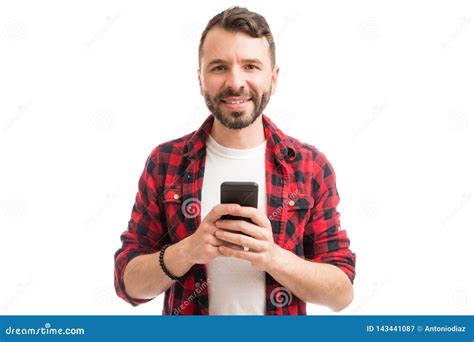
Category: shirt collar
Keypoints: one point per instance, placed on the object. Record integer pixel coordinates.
(281, 145)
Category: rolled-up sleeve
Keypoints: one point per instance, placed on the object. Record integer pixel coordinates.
(324, 240)
(146, 232)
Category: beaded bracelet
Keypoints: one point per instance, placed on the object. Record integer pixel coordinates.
(163, 267)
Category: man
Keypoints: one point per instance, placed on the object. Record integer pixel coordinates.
(295, 251)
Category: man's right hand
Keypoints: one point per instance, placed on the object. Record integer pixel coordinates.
(202, 246)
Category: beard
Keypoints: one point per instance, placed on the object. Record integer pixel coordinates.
(237, 119)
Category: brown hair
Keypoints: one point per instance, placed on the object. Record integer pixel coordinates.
(240, 19)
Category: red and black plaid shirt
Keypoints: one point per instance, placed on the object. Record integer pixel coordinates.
(301, 205)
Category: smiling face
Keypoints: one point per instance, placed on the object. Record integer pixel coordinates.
(236, 76)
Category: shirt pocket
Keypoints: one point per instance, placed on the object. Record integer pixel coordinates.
(172, 205)
(298, 211)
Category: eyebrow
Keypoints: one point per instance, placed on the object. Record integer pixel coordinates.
(246, 61)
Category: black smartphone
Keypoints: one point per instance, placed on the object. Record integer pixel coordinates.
(243, 193)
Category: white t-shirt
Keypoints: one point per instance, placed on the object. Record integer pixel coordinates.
(235, 287)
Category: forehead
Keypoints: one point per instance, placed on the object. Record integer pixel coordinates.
(234, 46)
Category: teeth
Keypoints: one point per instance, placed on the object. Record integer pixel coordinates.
(235, 102)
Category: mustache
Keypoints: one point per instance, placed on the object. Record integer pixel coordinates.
(230, 93)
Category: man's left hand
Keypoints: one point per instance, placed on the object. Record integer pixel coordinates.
(260, 240)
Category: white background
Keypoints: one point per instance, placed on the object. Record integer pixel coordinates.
(385, 90)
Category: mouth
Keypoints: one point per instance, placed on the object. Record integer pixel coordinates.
(235, 103)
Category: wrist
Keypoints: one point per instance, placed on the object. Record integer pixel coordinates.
(175, 259)
(183, 252)
(276, 259)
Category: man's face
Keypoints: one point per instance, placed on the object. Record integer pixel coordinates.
(236, 76)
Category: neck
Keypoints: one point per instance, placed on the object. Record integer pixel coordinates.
(248, 137)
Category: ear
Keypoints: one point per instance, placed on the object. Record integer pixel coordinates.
(200, 82)
(275, 72)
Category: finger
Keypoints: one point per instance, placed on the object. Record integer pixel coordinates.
(221, 209)
(249, 256)
(215, 242)
(230, 245)
(240, 240)
(257, 217)
(241, 226)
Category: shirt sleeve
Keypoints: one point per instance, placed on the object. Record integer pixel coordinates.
(324, 240)
(146, 231)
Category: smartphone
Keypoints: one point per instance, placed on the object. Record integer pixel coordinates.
(243, 193)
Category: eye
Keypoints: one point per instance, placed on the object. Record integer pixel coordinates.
(218, 68)
(251, 67)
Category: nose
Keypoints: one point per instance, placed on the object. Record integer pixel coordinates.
(235, 79)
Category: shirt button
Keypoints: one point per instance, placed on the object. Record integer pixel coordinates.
(291, 203)
(176, 196)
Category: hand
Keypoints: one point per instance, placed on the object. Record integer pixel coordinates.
(202, 246)
(263, 249)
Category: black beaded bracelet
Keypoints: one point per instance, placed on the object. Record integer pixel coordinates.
(163, 267)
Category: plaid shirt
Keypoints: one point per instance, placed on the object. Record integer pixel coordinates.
(301, 206)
